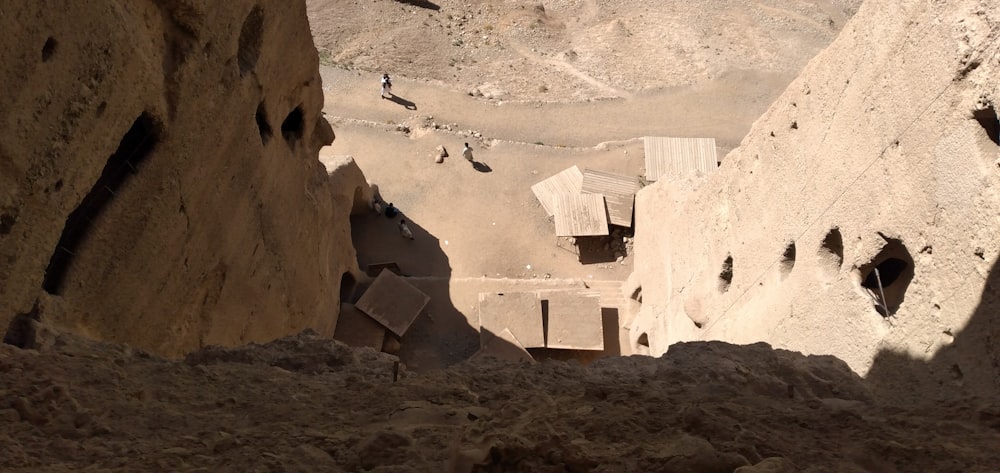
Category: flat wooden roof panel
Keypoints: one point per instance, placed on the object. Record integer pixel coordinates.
(675, 157)
(393, 302)
(518, 312)
(581, 215)
(618, 190)
(356, 329)
(568, 181)
(575, 321)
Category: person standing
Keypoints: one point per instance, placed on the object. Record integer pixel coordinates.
(404, 230)
(467, 153)
(391, 211)
(386, 86)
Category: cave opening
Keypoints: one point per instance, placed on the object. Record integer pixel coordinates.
(833, 247)
(887, 276)
(251, 40)
(637, 294)
(788, 259)
(263, 127)
(49, 49)
(293, 126)
(348, 286)
(987, 118)
(137, 144)
(726, 275)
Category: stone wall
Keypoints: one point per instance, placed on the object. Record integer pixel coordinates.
(159, 181)
(882, 155)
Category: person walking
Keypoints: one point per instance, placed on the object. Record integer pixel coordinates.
(386, 86)
(467, 153)
(404, 230)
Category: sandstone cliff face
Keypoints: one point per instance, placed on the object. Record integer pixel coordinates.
(882, 154)
(159, 182)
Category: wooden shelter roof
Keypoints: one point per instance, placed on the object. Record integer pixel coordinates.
(518, 312)
(393, 302)
(569, 181)
(575, 320)
(675, 157)
(618, 190)
(581, 215)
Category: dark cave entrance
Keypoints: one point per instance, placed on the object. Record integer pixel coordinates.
(138, 142)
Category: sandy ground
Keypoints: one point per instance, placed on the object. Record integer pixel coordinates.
(534, 88)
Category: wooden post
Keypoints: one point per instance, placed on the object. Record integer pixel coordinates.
(885, 305)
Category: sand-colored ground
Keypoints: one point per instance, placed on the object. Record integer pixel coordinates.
(483, 221)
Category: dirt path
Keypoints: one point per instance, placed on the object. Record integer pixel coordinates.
(722, 108)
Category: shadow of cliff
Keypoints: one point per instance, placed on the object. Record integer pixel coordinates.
(442, 335)
(968, 366)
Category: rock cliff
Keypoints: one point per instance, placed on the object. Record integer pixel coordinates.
(159, 181)
(858, 217)
(308, 404)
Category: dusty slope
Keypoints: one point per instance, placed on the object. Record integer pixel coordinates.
(158, 174)
(573, 49)
(874, 153)
(306, 404)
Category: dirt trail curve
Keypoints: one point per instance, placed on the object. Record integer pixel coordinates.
(721, 108)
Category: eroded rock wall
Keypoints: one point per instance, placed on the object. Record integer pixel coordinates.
(159, 181)
(882, 154)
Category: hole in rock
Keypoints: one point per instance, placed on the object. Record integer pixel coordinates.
(347, 287)
(788, 259)
(987, 119)
(134, 147)
(293, 126)
(7, 221)
(894, 267)
(643, 340)
(833, 247)
(49, 49)
(726, 275)
(637, 294)
(251, 39)
(262, 125)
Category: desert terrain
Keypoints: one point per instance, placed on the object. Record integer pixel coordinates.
(170, 284)
(536, 88)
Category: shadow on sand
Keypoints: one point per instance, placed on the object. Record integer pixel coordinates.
(481, 167)
(421, 4)
(406, 103)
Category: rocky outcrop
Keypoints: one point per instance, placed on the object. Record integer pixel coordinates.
(881, 156)
(159, 181)
(305, 403)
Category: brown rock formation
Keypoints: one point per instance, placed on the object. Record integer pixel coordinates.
(158, 176)
(882, 154)
(307, 404)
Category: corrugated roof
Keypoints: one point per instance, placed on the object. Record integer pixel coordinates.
(618, 190)
(568, 181)
(675, 157)
(581, 215)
